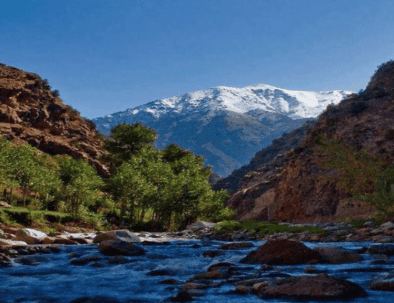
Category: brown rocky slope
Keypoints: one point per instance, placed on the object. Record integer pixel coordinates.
(31, 112)
(317, 181)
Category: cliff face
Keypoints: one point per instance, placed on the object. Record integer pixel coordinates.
(314, 182)
(279, 146)
(31, 112)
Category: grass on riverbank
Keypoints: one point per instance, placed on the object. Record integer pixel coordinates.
(46, 220)
(264, 228)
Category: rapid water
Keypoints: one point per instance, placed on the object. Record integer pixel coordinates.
(51, 278)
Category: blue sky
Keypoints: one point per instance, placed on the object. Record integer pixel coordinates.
(107, 56)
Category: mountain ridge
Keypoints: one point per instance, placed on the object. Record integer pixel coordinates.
(225, 125)
(339, 164)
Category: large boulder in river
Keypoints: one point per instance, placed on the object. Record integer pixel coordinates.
(120, 248)
(337, 255)
(122, 234)
(30, 236)
(320, 287)
(283, 252)
(200, 225)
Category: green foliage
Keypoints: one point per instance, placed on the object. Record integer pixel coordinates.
(126, 140)
(358, 170)
(166, 188)
(80, 183)
(23, 166)
(383, 197)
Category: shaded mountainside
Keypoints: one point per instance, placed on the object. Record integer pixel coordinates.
(31, 112)
(339, 159)
(279, 146)
(225, 125)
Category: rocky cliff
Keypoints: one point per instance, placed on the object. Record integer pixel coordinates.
(279, 146)
(31, 112)
(339, 158)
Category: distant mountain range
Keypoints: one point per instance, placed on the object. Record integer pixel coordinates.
(226, 125)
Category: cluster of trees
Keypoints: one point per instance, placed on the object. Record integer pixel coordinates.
(147, 188)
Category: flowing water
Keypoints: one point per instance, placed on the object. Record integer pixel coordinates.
(52, 278)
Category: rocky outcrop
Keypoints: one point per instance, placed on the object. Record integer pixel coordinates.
(31, 112)
(120, 248)
(299, 186)
(123, 235)
(261, 160)
(284, 252)
(336, 255)
(319, 287)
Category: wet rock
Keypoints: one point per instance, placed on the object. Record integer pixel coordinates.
(123, 235)
(319, 287)
(282, 252)
(163, 272)
(383, 249)
(243, 289)
(5, 260)
(117, 260)
(194, 286)
(30, 236)
(236, 245)
(84, 260)
(30, 260)
(211, 275)
(212, 253)
(221, 265)
(337, 255)
(119, 247)
(154, 243)
(169, 281)
(182, 296)
(383, 282)
(64, 241)
(11, 242)
(73, 255)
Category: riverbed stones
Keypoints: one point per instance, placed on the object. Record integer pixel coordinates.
(212, 253)
(284, 252)
(382, 249)
(119, 247)
(385, 282)
(200, 225)
(11, 242)
(122, 234)
(336, 255)
(318, 287)
(236, 245)
(30, 236)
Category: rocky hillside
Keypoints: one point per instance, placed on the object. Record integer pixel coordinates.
(279, 146)
(31, 112)
(339, 160)
(226, 125)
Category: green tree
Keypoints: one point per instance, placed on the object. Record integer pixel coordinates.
(126, 140)
(80, 183)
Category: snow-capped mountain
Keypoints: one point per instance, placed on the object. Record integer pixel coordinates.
(226, 125)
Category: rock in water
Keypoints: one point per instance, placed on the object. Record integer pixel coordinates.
(320, 287)
(122, 234)
(30, 236)
(285, 252)
(119, 247)
(337, 255)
